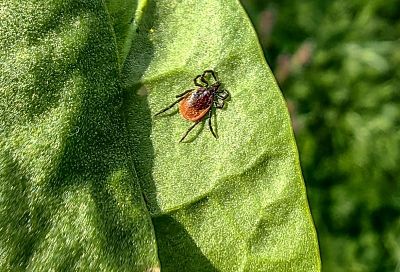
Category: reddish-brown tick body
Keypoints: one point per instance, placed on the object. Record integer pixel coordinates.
(194, 104)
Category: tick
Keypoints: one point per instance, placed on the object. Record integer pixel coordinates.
(197, 104)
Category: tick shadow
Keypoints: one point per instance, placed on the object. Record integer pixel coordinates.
(176, 247)
(193, 135)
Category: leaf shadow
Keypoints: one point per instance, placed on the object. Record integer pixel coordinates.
(81, 166)
(177, 250)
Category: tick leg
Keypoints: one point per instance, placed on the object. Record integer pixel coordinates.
(204, 80)
(189, 129)
(219, 104)
(210, 72)
(203, 77)
(185, 92)
(170, 106)
(196, 81)
(210, 124)
(223, 94)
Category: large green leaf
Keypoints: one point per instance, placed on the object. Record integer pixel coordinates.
(70, 198)
(233, 204)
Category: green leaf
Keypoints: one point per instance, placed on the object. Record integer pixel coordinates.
(69, 196)
(233, 204)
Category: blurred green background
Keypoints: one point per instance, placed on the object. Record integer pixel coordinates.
(338, 65)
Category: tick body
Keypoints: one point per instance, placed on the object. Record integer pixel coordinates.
(197, 104)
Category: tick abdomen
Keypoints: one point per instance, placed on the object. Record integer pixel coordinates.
(196, 105)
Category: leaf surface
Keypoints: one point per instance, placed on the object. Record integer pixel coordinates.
(69, 195)
(237, 203)
(90, 181)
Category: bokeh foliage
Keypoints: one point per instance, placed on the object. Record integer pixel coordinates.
(338, 66)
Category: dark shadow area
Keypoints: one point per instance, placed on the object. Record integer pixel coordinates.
(136, 109)
(38, 183)
(95, 153)
(177, 250)
(15, 238)
(86, 162)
